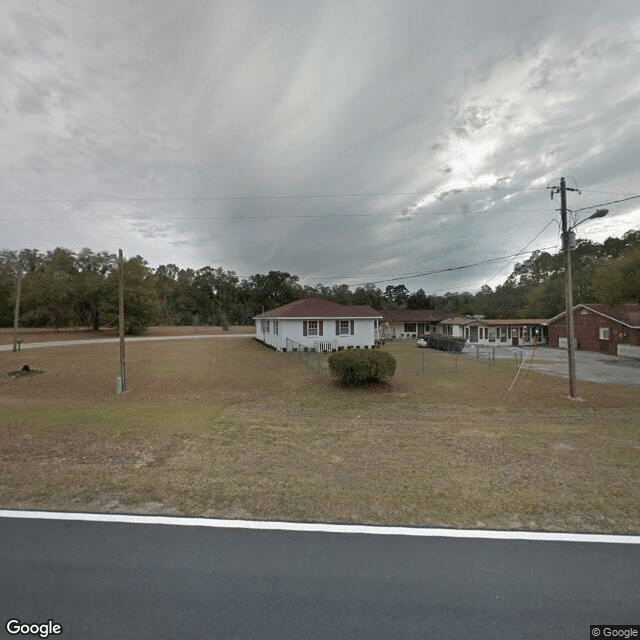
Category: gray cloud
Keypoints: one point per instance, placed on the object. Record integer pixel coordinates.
(167, 109)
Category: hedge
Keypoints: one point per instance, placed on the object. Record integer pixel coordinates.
(444, 343)
(354, 367)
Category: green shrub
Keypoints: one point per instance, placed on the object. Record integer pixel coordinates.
(444, 343)
(354, 367)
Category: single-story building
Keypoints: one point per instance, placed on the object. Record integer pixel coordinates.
(498, 331)
(453, 326)
(598, 327)
(317, 323)
(398, 323)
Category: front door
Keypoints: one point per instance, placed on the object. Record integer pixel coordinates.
(473, 334)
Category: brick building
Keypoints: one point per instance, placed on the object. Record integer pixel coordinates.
(600, 328)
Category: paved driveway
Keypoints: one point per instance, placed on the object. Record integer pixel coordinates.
(590, 366)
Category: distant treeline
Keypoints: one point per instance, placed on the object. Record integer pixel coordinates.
(62, 289)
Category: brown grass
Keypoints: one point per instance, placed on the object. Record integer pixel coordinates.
(228, 428)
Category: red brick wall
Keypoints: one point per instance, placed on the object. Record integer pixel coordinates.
(586, 329)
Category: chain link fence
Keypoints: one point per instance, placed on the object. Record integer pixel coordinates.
(307, 355)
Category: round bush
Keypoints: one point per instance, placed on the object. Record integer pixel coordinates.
(354, 367)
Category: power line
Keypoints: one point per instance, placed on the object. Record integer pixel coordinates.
(116, 199)
(400, 215)
(466, 266)
(265, 197)
(605, 203)
(525, 246)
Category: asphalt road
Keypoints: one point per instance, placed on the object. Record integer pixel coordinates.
(82, 343)
(123, 580)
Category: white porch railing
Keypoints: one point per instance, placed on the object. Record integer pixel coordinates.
(325, 346)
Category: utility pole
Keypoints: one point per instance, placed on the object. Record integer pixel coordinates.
(566, 246)
(567, 240)
(123, 383)
(16, 312)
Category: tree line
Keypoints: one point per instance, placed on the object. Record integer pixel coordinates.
(61, 288)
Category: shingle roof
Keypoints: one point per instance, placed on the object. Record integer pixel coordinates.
(512, 321)
(320, 308)
(457, 320)
(411, 315)
(628, 314)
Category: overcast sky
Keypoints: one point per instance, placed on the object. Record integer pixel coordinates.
(341, 141)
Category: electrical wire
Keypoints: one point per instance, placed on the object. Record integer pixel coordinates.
(523, 248)
(466, 266)
(602, 204)
(400, 216)
(264, 197)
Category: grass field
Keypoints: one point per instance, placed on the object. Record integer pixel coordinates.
(229, 428)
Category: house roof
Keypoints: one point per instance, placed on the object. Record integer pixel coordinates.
(493, 322)
(457, 320)
(503, 322)
(629, 314)
(411, 315)
(320, 308)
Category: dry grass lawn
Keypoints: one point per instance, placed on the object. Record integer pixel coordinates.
(228, 428)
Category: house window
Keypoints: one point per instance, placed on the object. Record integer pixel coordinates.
(604, 333)
(409, 327)
(312, 328)
(344, 328)
(275, 327)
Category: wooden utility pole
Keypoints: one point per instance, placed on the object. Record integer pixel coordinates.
(566, 246)
(121, 320)
(16, 312)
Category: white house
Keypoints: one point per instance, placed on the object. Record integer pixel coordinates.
(454, 326)
(409, 322)
(502, 331)
(317, 323)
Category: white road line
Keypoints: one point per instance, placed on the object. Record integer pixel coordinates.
(324, 528)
